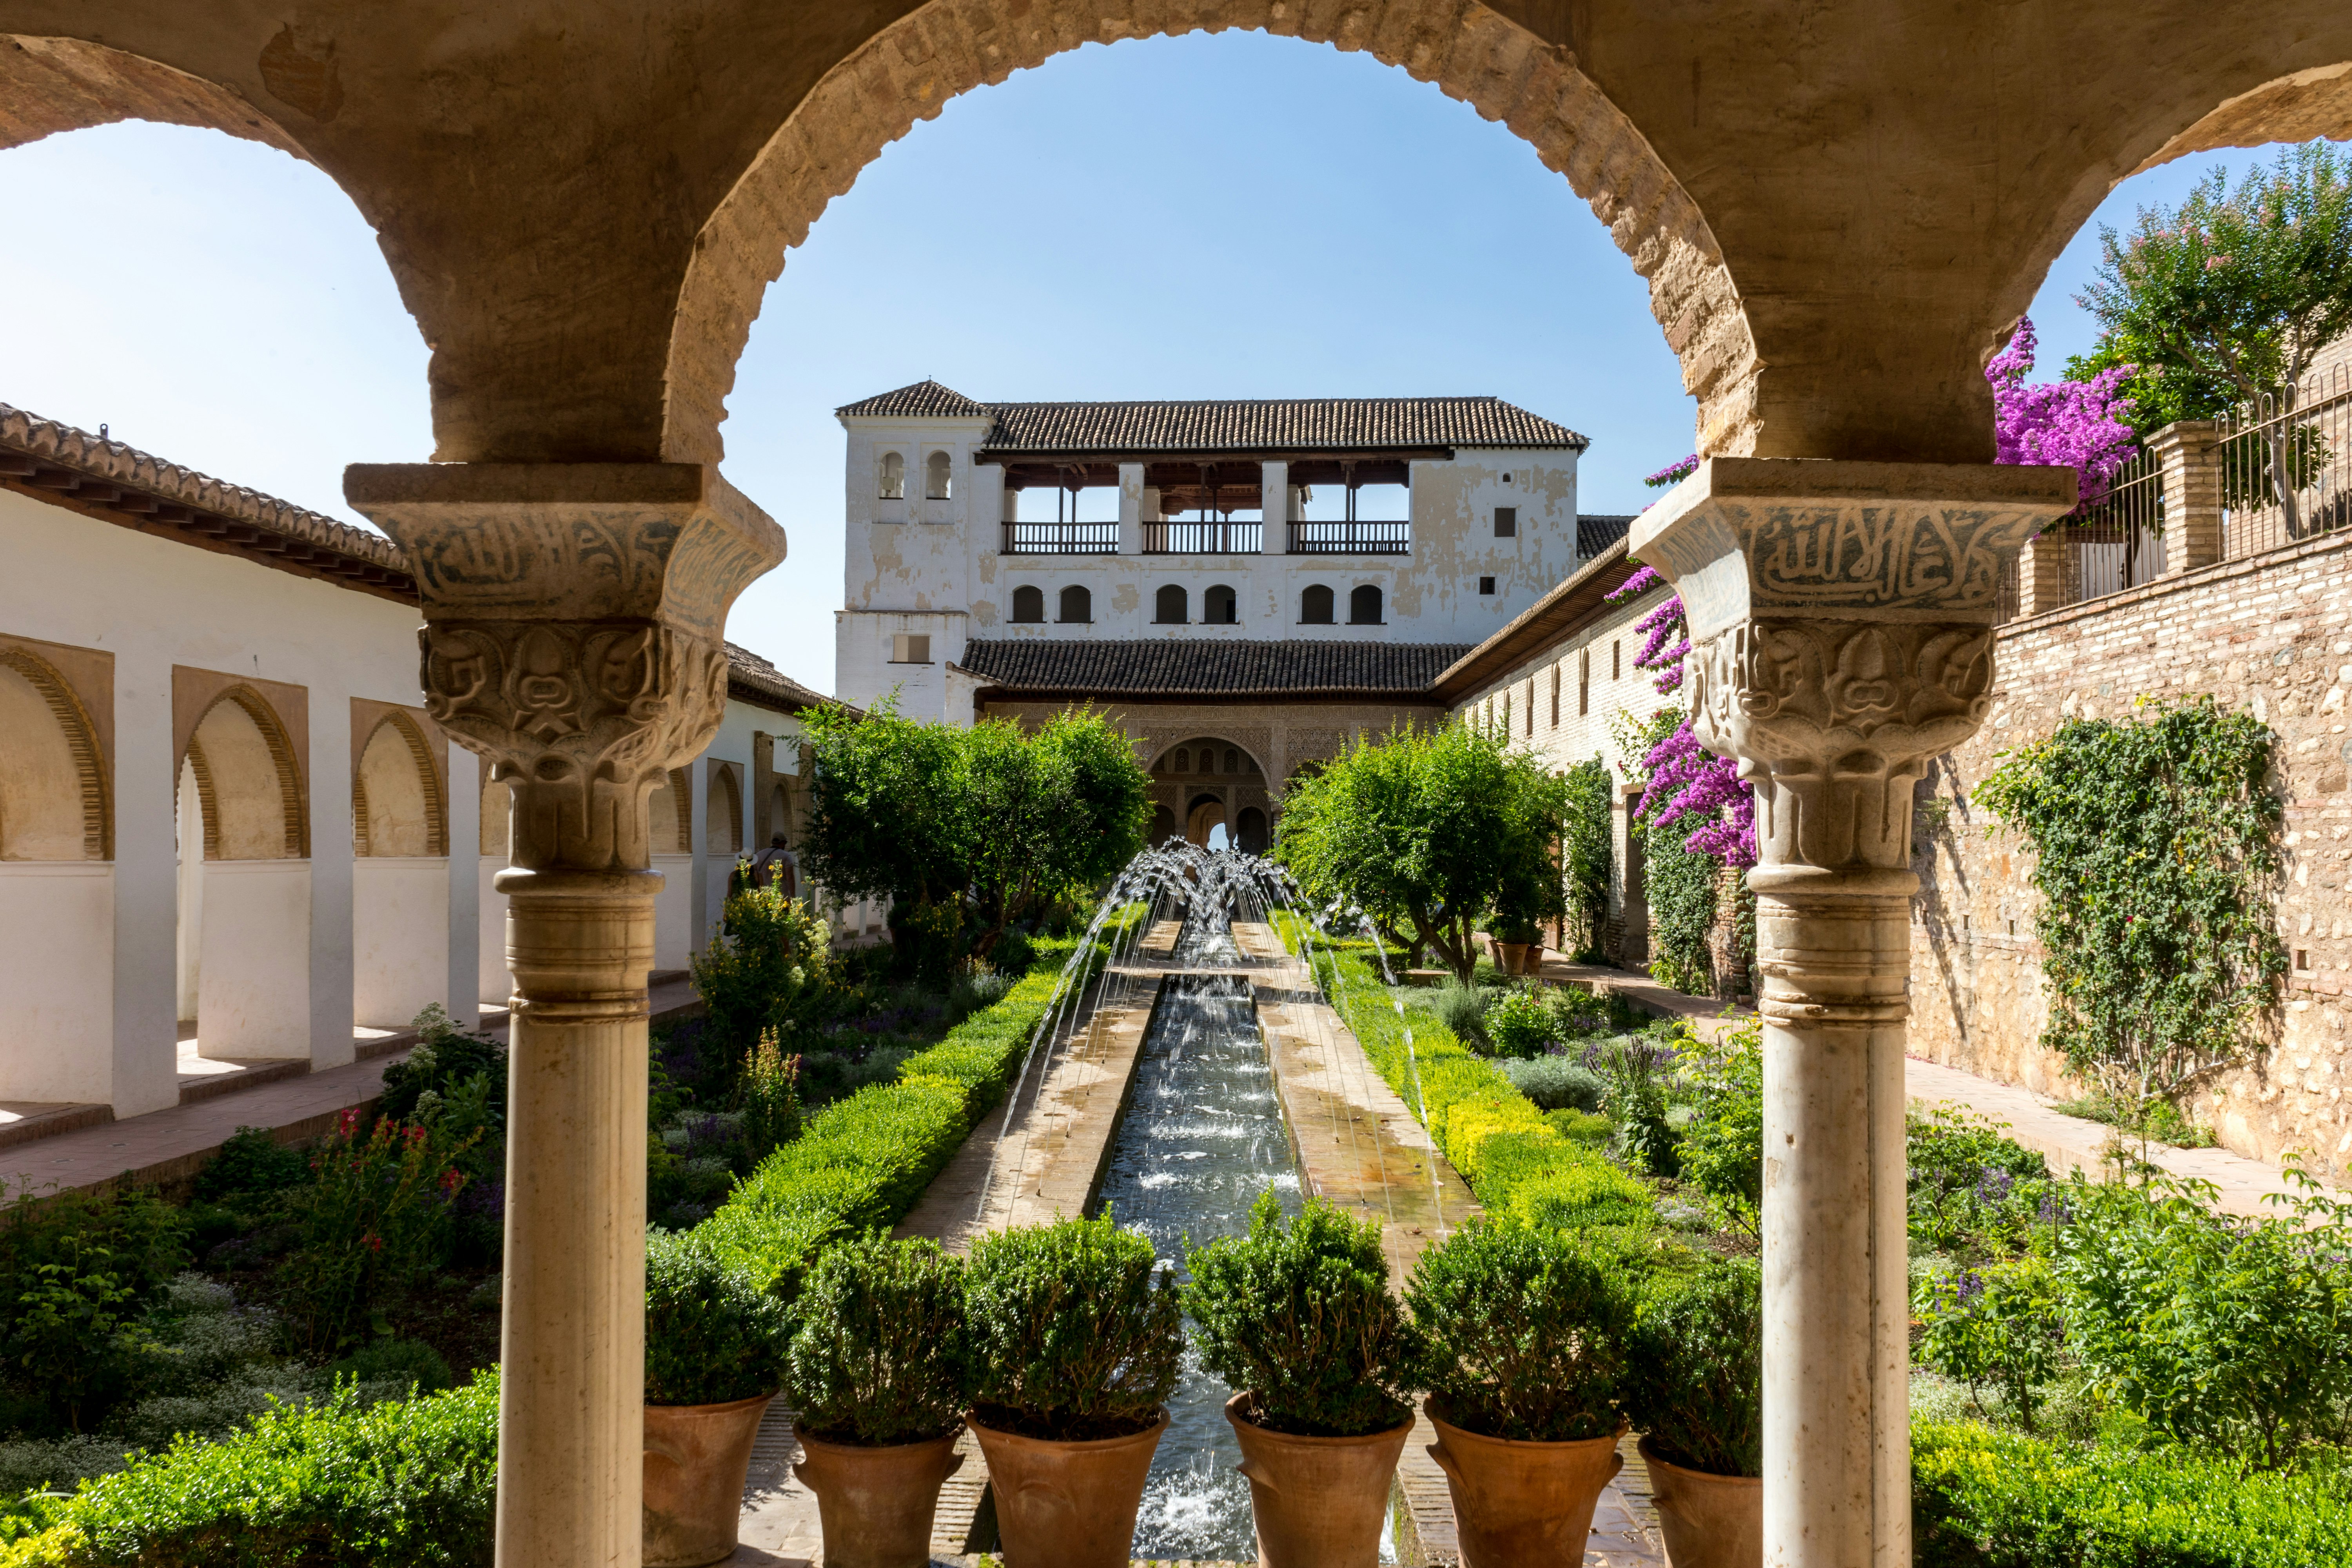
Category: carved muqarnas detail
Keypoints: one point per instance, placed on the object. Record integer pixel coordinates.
(1832, 720)
(583, 720)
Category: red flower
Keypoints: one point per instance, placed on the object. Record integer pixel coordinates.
(373, 1242)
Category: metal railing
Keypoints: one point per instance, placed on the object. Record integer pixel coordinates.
(2286, 467)
(1352, 536)
(1204, 538)
(1061, 538)
(2104, 549)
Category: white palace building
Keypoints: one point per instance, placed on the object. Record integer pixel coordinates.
(1244, 586)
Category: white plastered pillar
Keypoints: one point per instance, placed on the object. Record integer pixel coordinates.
(698, 901)
(1130, 508)
(582, 676)
(145, 1070)
(1841, 621)
(333, 977)
(464, 817)
(1273, 486)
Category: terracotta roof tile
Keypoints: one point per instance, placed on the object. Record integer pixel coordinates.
(1596, 532)
(1235, 425)
(754, 678)
(1187, 666)
(923, 400)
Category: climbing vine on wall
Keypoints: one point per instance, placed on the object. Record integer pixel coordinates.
(2156, 846)
(1584, 855)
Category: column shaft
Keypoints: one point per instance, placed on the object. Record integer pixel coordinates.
(2192, 460)
(1837, 1470)
(572, 1347)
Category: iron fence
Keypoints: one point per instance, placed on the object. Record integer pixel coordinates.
(2104, 549)
(1061, 538)
(2286, 467)
(1351, 536)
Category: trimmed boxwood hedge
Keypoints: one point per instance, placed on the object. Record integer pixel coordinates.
(1988, 1499)
(863, 1161)
(1515, 1159)
(407, 1481)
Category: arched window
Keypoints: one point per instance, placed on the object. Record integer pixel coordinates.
(1171, 607)
(1078, 605)
(1028, 603)
(893, 476)
(1219, 607)
(1315, 607)
(1232, 761)
(1184, 760)
(1364, 606)
(938, 476)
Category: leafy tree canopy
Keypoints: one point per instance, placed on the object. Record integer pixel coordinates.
(2231, 295)
(1430, 830)
(967, 829)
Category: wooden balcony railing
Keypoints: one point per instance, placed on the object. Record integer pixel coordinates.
(1354, 536)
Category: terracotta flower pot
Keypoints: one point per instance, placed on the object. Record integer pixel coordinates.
(1318, 1501)
(1710, 1521)
(876, 1504)
(1520, 1504)
(1068, 1505)
(1511, 957)
(695, 1459)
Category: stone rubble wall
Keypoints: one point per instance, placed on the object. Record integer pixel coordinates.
(2272, 635)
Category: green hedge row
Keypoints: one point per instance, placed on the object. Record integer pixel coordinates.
(1514, 1159)
(408, 1482)
(863, 1161)
(1988, 1499)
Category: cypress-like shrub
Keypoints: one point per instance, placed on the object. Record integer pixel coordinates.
(1695, 1373)
(1526, 1331)
(712, 1334)
(880, 1352)
(1077, 1332)
(1300, 1317)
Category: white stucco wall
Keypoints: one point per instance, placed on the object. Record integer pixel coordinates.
(254, 1000)
(400, 938)
(56, 977)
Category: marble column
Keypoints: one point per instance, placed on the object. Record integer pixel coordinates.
(1840, 623)
(573, 623)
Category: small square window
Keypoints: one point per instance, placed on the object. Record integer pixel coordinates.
(1486, 585)
(2303, 959)
(911, 648)
(1507, 523)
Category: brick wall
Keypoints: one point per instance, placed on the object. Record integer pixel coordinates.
(2271, 635)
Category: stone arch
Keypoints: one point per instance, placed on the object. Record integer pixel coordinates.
(672, 831)
(1163, 826)
(54, 800)
(248, 781)
(726, 808)
(2301, 106)
(1206, 754)
(1249, 830)
(396, 803)
(909, 70)
(1205, 813)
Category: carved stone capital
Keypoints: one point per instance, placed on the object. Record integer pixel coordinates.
(1841, 621)
(573, 615)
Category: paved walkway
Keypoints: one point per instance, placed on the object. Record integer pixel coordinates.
(167, 1147)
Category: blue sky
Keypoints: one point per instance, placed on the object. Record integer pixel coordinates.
(1228, 215)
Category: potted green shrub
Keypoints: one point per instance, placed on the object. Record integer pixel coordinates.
(1078, 1340)
(1695, 1388)
(1526, 1343)
(878, 1371)
(714, 1356)
(1298, 1320)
